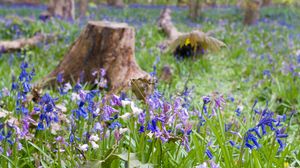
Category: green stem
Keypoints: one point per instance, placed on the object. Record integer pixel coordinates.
(272, 147)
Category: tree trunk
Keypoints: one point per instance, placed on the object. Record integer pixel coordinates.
(83, 7)
(195, 8)
(252, 12)
(266, 2)
(62, 8)
(100, 45)
(180, 3)
(116, 3)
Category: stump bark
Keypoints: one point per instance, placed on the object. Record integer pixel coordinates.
(100, 45)
(62, 8)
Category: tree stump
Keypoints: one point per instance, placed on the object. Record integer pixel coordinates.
(102, 45)
(252, 9)
(61, 8)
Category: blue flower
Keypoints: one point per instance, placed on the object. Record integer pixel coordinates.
(59, 77)
(152, 125)
(142, 129)
(40, 126)
(114, 125)
(209, 154)
(238, 111)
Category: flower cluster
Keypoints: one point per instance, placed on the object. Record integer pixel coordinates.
(267, 119)
(22, 86)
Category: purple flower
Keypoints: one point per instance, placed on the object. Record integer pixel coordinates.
(115, 101)
(141, 118)
(107, 112)
(206, 99)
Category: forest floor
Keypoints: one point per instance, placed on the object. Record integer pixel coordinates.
(235, 107)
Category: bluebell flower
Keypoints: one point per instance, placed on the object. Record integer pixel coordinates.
(116, 101)
(40, 126)
(206, 99)
(141, 118)
(251, 138)
(107, 112)
(114, 125)
(209, 154)
(152, 125)
(142, 129)
(238, 111)
(59, 77)
(48, 113)
(77, 87)
(267, 73)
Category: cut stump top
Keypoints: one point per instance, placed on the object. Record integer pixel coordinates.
(107, 24)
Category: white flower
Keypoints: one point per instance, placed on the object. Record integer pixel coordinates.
(125, 116)
(83, 147)
(5, 92)
(67, 87)
(75, 96)
(150, 134)
(125, 102)
(61, 107)
(203, 165)
(135, 110)
(94, 145)
(123, 130)
(94, 138)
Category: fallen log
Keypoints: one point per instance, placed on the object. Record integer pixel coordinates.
(19, 44)
(102, 45)
(185, 44)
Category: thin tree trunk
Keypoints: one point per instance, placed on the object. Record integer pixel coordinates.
(116, 3)
(180, 3)
(195, 9)
(83, 7)
(266, 2)
(62, 8)
(252, 12)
